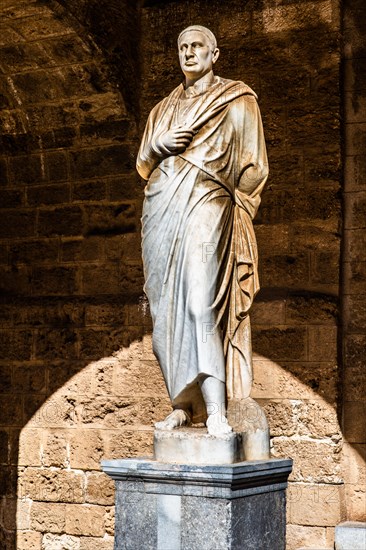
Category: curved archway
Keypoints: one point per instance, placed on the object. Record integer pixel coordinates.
(78, 376)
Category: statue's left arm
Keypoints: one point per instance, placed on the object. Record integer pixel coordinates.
(253, 167)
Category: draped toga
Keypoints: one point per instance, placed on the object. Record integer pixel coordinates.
(198, 244)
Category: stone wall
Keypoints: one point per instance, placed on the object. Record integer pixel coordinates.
(354, 259)
(289, 53)
(78, 380)
(72, 320)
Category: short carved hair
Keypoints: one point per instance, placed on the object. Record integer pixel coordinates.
(204, 30)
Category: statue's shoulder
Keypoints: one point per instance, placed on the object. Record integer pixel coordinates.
(237, 86)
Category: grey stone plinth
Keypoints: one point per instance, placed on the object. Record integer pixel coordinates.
(350, 535)
(196, 446)
(163, 506)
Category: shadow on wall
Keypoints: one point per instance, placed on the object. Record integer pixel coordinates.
(79, 382)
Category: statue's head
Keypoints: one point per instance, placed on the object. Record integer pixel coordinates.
(198, 51)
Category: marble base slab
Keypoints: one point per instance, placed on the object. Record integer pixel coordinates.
(196, 446)
(350, 534)
(162, 506)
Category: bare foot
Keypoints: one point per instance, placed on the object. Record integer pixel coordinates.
(174, 420)
(217, 425)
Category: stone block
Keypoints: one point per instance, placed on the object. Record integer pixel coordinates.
(6, 378)
(46, 485)
(60, 542)
(54, 281)
(3, 171)
(315, 504)
(354, 421)
(4, 446)
(322, 343)
(355, 136)
(355, 351)
(17, 223)
(139, 377)
(28, 252)
(11, 198)
(29, 378)
(105, 132)
(44, 117)
(76, 250)
(12, 507)
(86, 520)
(326, 455)
(107, 313)
(92, 543)
(355, 244)
(99, 162)
(55, 450)
(73, 377)
(110, 515)
(30, 447)
(103, 376)
(56, 344)
(281, 415)
(100, 107)
(354, 464)
(3, 254)
(115, 411)
(99, 489)
(317, 417)
(11, 410)
(27, 169)
(29, 540)
(355, 210)
(110, 219)
(355, 277)
(39, 25)
(48, 194)
(356, 314)
(65, 221)
(48, 517)
(101, 279)
(60, 137)
(15, 280)
(308, 308)
(86, 449)
(299, 535)
(280, 343)
(16, 345)
(129, 443)
(356, 501)
(92, 344)
(288, 269)
(325, 268)
(285, 17)
(125, 187)
(354, 383)
(267, 312)
(355, 172)
(94, 190)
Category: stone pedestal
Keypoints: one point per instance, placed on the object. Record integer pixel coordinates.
(163, 506)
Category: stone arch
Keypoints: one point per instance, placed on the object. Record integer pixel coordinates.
(76, 364)
(71, 278)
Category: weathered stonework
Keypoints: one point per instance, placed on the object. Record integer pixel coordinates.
(78, 377)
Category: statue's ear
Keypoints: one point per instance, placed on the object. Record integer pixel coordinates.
(216, 54)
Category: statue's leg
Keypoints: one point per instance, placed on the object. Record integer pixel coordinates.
(214, 394)
(177, 418)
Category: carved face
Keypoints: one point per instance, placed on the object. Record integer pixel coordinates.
(196, 54)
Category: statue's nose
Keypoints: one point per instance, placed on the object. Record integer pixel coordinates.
(189, 52)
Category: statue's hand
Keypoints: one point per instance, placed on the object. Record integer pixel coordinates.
(176, 140)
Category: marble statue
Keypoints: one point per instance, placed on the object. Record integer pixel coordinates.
(204, 158)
